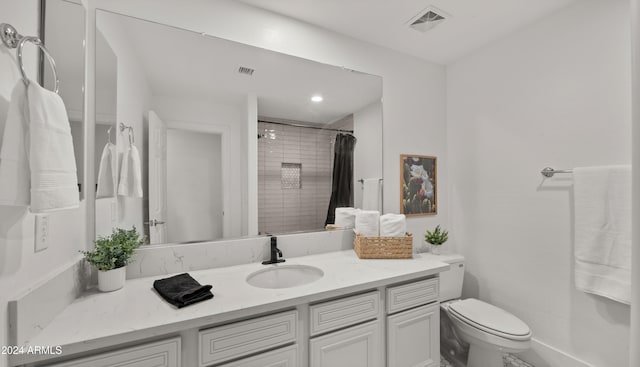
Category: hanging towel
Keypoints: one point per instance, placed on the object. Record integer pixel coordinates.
(346, 217)
(130, 174)
(182, 290)
(15, 179)
(368, 222)
(106, 172)
(371, 194)
(54, 181)
(602, 199)
(393, 225)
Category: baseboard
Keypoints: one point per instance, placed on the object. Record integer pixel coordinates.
(544, 355)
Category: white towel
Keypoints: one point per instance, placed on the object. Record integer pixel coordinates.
(346, 217)
(393, 225)
(106, 172)
(130, 174)
(54, 181)
(371, 194)
(15, 179)
(37, 164)
(368, 222)
(602, 199)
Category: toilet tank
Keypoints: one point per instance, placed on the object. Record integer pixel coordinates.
(451, 280)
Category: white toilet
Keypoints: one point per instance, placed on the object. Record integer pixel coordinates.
(489, 330)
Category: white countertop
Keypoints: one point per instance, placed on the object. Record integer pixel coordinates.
(97, 320)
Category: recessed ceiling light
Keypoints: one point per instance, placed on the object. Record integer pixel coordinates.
(317, 98)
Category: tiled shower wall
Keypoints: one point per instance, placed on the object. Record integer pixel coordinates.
(280, 207)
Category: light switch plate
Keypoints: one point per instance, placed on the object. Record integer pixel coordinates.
(42, 233)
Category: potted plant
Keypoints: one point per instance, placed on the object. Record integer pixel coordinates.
(436, 239)
(111, 256)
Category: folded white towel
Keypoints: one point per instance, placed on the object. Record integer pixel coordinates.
(602, 199)
(393, 225)
(131, 174)
(15, 179)
(106, 172)
(368, 222)
(371, 194)
(54, 181)
(346, 217)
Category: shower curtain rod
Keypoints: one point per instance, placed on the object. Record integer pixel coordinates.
(305, 126)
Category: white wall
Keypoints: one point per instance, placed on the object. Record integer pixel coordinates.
(553, 94)
(413, 89)
(194, 186)
(366, 127)
(20, 267)
(634, 358)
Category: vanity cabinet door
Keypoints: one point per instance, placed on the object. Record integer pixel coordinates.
(224, 343)
(165, 353)
(283, 357)
(357, 346)
(414, 337)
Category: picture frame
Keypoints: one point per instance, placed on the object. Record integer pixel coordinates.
(418, 185)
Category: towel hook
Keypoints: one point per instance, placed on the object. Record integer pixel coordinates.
(109, 134)
(124, 127)
(12, 39)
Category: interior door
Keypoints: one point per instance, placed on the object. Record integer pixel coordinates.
(157, 179)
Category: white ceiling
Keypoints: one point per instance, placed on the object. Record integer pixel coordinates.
(473, 23)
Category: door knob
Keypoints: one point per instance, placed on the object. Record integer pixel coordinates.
(154, 222)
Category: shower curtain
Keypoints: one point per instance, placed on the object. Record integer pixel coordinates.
(342, 179)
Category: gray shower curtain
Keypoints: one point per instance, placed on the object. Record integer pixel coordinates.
(342, 179)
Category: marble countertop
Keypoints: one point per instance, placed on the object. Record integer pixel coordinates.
(97, 320)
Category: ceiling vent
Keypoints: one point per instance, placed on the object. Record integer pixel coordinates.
(245, 70)
(427, 19)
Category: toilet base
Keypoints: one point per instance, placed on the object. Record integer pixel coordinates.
(484, 357)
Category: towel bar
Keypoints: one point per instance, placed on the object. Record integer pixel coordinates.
(549, 172)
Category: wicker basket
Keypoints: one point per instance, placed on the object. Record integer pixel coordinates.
(383, 247)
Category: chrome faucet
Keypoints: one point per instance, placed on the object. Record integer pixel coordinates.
(275, 253)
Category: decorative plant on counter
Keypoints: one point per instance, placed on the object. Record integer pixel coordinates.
(436, 238)
(110, 256)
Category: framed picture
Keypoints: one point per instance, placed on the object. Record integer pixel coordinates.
(418, 185)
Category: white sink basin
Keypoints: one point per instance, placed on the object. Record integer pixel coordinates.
(284, 276)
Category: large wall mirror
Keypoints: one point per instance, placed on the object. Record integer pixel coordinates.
(62, 24)
(200, 138)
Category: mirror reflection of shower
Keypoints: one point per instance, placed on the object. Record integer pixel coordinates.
(295, 163)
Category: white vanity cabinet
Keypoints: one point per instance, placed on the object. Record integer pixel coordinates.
(164, 353)
(393, 322)
(283, 357)
(239, 339)
(335, 342)
(357, 346)
(413, 333)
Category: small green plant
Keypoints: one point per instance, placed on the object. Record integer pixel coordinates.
(437, 237)
(114, 251)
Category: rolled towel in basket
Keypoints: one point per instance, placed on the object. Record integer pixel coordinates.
(393, 225)
(368, 223)
(346, 217)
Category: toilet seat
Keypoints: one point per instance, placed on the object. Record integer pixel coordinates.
(490, 319)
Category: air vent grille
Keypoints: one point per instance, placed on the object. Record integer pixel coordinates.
(427, 19)
(245, 70)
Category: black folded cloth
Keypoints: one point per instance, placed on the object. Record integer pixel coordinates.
(182, 290)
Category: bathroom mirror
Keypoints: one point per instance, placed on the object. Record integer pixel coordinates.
(229, 140)
(62, 31)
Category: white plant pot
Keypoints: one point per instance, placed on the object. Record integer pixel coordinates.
(435, 249)
(111, 280)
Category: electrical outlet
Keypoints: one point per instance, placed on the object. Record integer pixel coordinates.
(42, 233)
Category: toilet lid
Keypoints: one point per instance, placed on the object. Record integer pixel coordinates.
(491, 319)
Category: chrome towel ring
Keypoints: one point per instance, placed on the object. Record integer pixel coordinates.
(12, 39)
